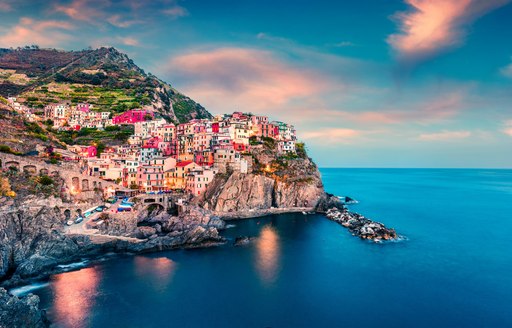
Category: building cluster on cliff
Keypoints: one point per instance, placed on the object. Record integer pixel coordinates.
(162, 156)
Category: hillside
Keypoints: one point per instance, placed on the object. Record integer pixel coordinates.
(18, 136)
(105, 78)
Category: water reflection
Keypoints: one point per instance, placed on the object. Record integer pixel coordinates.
(75, 294)
(267, 254)
(158, 271)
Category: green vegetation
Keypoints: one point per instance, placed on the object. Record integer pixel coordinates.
(253, 141)
(99, 138)
(44, 180)
(8, 150)
(268, 142)
(300, 149)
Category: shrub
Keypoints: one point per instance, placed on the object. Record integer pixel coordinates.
(112, 128)
(45, 180)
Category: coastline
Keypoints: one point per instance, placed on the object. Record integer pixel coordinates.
(93, 247)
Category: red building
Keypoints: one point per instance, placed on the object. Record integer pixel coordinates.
(132, 116)
(215, 127)
(152, 142)
(240, 147)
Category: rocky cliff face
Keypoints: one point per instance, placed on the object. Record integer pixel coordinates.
(279, 185)
(31, 239)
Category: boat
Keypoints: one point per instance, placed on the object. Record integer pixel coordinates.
(304, 213)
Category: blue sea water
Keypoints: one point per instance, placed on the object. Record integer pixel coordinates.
(454, 269)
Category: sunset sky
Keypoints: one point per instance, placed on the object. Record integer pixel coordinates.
(414, 83)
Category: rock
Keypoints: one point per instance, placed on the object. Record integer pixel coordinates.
(242, 240)
(145, 232)
(297, 185)
(21, 312)
(361, 226)
(35, 264)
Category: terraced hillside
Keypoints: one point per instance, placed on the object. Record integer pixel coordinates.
(104, 77)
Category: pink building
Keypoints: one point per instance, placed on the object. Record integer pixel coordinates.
(256, 120)
(267, 130)
(150, 177)
(152, 143)
(83, 107)
(84, 151)
(203, 158)
(198, 180)
(132, 116)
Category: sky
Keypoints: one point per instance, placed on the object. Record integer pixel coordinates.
(380, 83)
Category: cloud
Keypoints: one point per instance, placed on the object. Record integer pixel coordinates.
(175, 12)
(46, 33)
(91, 11)
(507, 71)
(433, 26)
(332, 135)
(120, 21)
(508, 128)
(342, 44)
(445, 136)
(130, 41)
(5, 6)
(251, 78)
(121, 13)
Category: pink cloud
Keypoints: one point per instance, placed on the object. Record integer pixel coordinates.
(436, 25)
(90, 11)
(46, 33)
(5, 6)
(130, 41)
(253, 79)
(337, 135)
(445, 136)
(119, 21)
(508, 128)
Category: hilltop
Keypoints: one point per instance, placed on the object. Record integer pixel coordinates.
(104, 77)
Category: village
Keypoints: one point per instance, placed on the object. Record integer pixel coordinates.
(161, 156)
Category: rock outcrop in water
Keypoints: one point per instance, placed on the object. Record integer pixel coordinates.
(22, 312)
(360, 226)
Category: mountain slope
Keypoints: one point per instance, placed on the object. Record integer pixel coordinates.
(104, 77)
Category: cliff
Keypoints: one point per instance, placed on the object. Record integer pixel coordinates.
(277, 184)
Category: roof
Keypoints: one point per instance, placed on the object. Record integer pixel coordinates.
(184, 163)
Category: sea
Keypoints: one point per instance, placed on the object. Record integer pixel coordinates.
(453, 268)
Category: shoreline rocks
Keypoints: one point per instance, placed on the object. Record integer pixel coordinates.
(361, 226)
(18, 312)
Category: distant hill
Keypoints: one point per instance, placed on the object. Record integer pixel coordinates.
(104, 77)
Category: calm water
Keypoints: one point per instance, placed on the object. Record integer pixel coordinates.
(455, 269)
